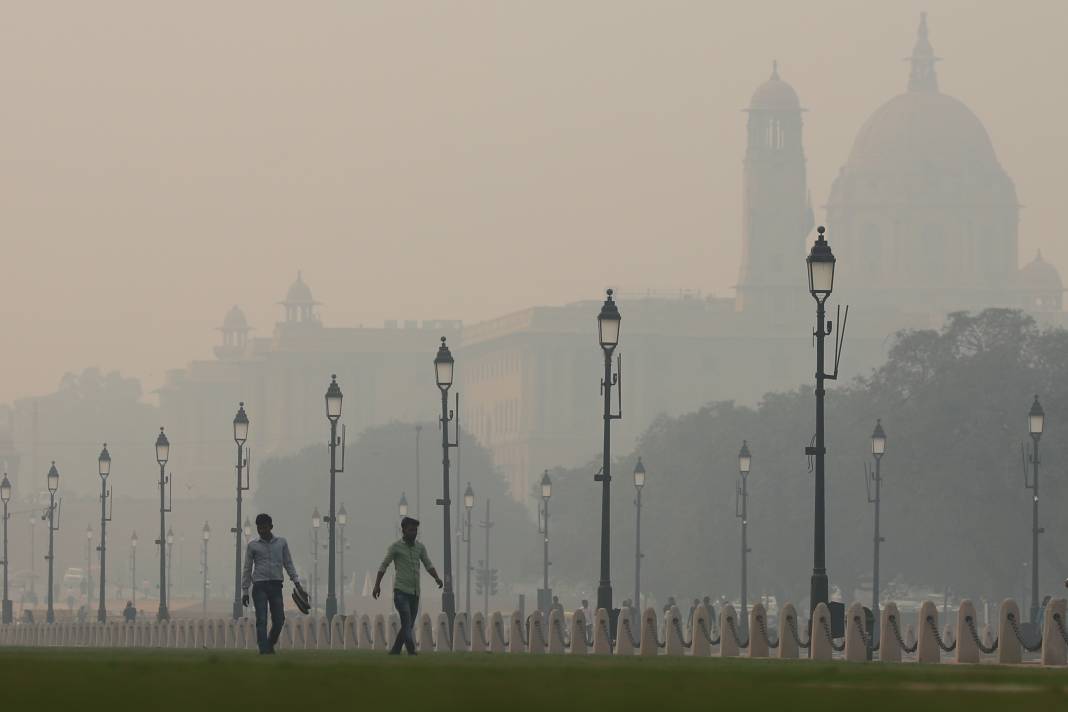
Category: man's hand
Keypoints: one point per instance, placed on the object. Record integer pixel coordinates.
(376, 592)
(244, 600)
(441, 584)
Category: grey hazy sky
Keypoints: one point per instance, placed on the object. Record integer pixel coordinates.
(160, 162)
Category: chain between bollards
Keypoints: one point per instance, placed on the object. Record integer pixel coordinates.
(970, 622)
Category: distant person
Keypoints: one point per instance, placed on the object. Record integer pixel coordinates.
(669, 604)
(707, 602)
(589, 617)
(406, 555)
(557, 606)
(693, 611)
(129, 614)
(266, 559)
(81, 614)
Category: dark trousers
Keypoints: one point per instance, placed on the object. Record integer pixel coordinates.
(268, 594)
(407, 605)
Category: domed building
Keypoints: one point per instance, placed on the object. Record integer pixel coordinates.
(1040, 287)
(922, 216)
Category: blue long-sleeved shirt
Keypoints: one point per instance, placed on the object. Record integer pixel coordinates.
(269, 557)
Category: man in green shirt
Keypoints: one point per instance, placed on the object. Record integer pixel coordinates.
(406, 555)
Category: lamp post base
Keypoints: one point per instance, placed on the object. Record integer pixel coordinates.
(604, 597)
(163, 614)
(7, 615)
(820, 590)
(331, 605)
(448, 605)
(237, 610)
(101, 615)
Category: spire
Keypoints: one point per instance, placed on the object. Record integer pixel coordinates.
(922, 75)
(774, 69)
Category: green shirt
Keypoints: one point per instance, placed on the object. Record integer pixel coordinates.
(405, 558)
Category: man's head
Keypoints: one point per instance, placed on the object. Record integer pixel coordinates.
(409, 529)
(264, 525)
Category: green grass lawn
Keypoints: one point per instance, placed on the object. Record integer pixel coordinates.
(195, 681)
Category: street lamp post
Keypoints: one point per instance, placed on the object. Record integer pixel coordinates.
(317, 522)
(639, 482)
(545, 596)
(88, 567)
(205, 533)
(608, 336)
(243, 483)
(342, 520)
(1036, 422)
(820, 263)
(741, 510)
(444, 368)
(333, 414)
(53, 527)
(103, 467)
(486, 524)
(133, 569)
(5, 497)
(163, 453)
(469, 502)
(878, 449)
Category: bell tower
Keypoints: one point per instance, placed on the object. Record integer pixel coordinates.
(777, 207)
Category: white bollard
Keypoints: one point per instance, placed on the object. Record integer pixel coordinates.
(498, 643)
(602, 640)
(380, 641)
(1054, 628)
(889, 647)
(650, 637)
(536, 637)
(349, 636)
(555, 630)
(365, 633)
(322, 633)
(729, 645)
(515, 634)
(788, 626)
(461, 634)
(819, 633)
(1009, 650)
(967, 650)
(625, 637)
(856, 649)
(442, 633)
(424, 638)
(578, 633)
(927, 650)
(759, 645)
(700, 633)
(479, 633)
(672, 628)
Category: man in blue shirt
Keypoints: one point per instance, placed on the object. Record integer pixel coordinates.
(266, 559)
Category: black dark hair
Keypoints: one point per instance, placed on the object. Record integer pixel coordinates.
(409, 522)
(264, 519)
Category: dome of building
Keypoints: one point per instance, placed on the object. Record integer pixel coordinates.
(1040, 276)
(299, 293)
(235, 320)
(775, 94)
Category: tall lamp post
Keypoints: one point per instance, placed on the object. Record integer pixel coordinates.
(243, 483)
(469, 502)
(639, 482)
(608, 336)
(1036, 422)
(103, 468)
(545, 595)
(342, 520)
(163, 453)
(878, 449)
(88, 567)
(53, 527)
(205, 534)
(317, 522)
(133, 569)
(820, 263)
(444, 368)
(741, 510)
(5, 497)
(333, 414)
